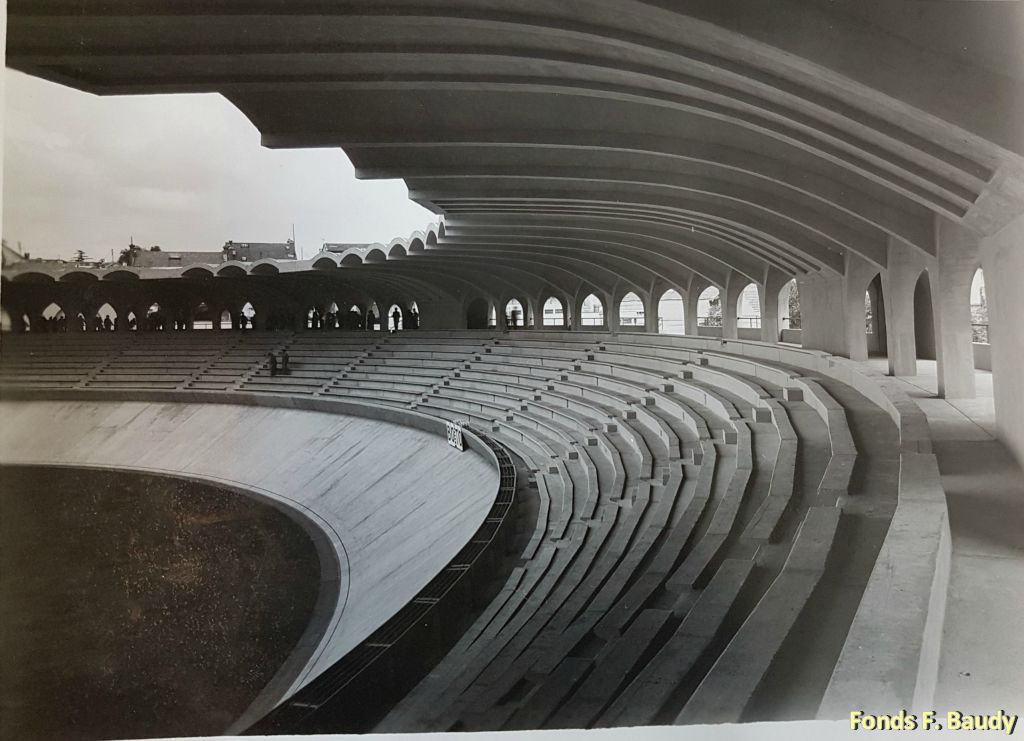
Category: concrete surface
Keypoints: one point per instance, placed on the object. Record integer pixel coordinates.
(397, 503)
(982, 645)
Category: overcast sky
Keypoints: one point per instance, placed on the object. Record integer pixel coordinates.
(186, 172)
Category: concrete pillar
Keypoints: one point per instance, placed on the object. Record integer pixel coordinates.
(859, 274)
(690, 311)
(769, 314)
(905, 265)
(823, 309)
(650, 313)
(574, 319)
(500, 320)
(774, 281)
(958, 258)
(730, 304)
(1002, 259)
(611, 314)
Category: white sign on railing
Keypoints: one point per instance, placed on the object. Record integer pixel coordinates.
(455, 435)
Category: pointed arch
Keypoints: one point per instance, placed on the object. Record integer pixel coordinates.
(515, 314)
(632, 313)
(979, 309)
(924, 319)
(553, 312)
(709, 307)
(748, 307)
(395, 318)
(592, 311)
(671, 313)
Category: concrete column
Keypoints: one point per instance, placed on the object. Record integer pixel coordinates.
(958, 258)
(859, 274)
(690, 309)
(898, 282)
(823, 308)
(574, 320)
(771, 307)
(730, 298)
(650, 313)
(1002, 258)
(611, 314)
(769, 314)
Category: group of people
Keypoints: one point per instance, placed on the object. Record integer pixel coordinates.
(59, 323)
(158, 320)
(353, 320)
(278, 367)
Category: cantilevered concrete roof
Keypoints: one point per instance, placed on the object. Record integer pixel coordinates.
(611, 143)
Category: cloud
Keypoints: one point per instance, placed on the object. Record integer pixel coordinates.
(183, 171)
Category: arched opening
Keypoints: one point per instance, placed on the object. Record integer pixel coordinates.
(353, 318)
(748, 308)
(395, 318)
(53, 320)
(155, 319)
(979, 309)
(226, 320)
(6, 323)
(247, 320)
(314, 318)
(476, 314)
(789, 307)
(105, 319)
(133, 321)
(631, 311)
(874, 318)
(592, 312)
(671, 313)
(554, 313)
(373, 318)
(203, 317)
(709, 308)
(515, 317)
(492, 317)
(330, 318)
(413, 320)
(924, 322)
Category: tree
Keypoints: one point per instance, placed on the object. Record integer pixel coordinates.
(715, 312)
(794, 307)
(80, 257)
(128, 255)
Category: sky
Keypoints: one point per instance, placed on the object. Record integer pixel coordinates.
(185, 172)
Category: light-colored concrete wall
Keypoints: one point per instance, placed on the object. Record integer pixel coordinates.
(747, 333)
(951, 294)
(397, 503)
(1003, 262)
(823, 313)
(793, 336)
(982, 352)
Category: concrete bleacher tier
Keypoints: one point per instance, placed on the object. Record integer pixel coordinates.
(713, 538)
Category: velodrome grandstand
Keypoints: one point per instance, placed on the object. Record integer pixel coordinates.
(539, 481)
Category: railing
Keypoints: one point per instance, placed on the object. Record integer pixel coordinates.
(709, 321)
(749, 322)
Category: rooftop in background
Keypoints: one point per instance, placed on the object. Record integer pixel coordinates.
(343, 246)
(240, 251)
(11, 255)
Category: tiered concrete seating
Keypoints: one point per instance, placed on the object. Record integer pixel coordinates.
(689, 505)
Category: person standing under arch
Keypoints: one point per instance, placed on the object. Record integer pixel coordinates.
(396, 317)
